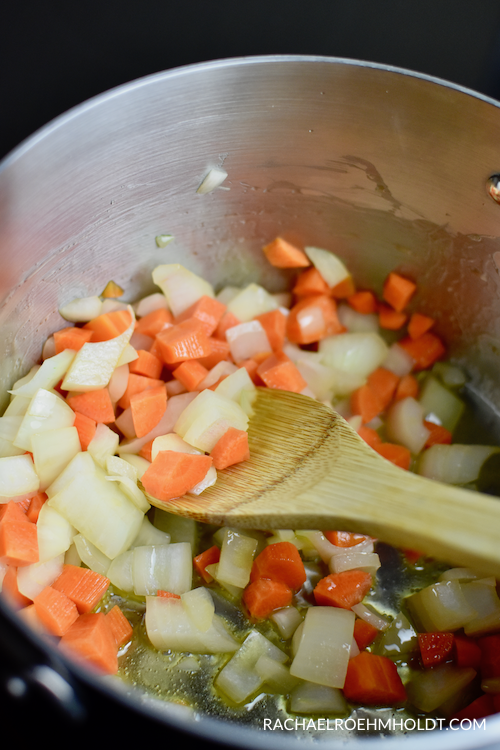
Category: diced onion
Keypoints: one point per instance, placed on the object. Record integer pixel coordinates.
(399, 638)
(354, 353)
(405, 424)
(220, 370)
(52, 452)
(441, 607)
(181, 287)
(17, 477)
(148, 534)
(331, 268)
(451, 375)
(150, 569)
(125, 423)
(352, 560)
(362, 611)
(309, 698)
(48, 375)
(131, 490)
(171, 442)
(175, 406)
(200, 607)
(139, 463)
(91, 556)
(146, 305)
(32, 579)
(436, 399)
(454, 464)
(319, 377)
(251, 301)
(49, 348)
(82, 463)
(120, 572)
(212, 180)
(118, 383)
(81, 310)
(431, 688)
(207, 418)
(236, 558)
(398, 361)
(460, 574)
(55, 533)
(319, 541)
(275, 674)
(356, 322)
(162, 240)
(208, 480)
(287, 620)
(103, 444)
(47, 411)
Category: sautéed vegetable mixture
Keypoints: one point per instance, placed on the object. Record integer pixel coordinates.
(152, 400)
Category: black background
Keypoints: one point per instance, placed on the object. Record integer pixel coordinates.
(54, 54)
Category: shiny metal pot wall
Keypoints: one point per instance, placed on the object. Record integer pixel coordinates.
(387, 168)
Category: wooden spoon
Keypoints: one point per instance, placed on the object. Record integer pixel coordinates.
(310, 470)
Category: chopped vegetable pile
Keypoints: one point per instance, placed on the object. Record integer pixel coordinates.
(152, 400)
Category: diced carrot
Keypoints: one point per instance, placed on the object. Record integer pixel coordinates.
(412, 555)
(251, 366)
(345, 538)
(173, 474)
(343, 589)
(390, 319)
(91, 639)
(11, 590)
(147, 408)
(407, 387)
(278, 371)
(83, 586)
(425, 350)
(228, 320)
(282, 254)
(220, 351)
(210, 556)
(18, 537)
(398, 291)
(207, 310)
(364, 633)
(35, 505)
(146, 364)
(479, 709)
(86, 428)
(435, 647)
(419, 324)
(369, 435)
(154, 322)
(310, 282)
(190, 374)
(466, 651)
(263, 596)
(373, 681)
(137, 384)
(231, 448)
(344, 289)
(71, 338)
(186, 340)
(167, 594)
(119, 625)
(56, 611)
(397, 454)
(96, 405)
(280, 562)
(363, 302)
(12, 512)
(490, 656)
(439, 434)
(145, 451)
(312, 319)
(384, 382)
(274, 324)
(366, 402)
(109, 325)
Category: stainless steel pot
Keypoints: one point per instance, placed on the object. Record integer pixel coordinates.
(388, 168)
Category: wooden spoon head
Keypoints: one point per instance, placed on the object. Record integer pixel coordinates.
(293, 440)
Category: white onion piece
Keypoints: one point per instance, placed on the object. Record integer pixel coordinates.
(212, 180)
(399, 638)
(460, 574)
(125, 423)
(351, 560)
(111, 304)
(103, 444)
(175, 406)
(208, 480)
(17, 407)
(362, 611)
(17, 477)
(345, 383)
(180, 529)
(175, 387)
(95, 362)
(141, 341)
(309, 698)
(357, 322)
(118, 383)
(169, 627)
(120, 571)
(100, 511)
(146, 305)
(331, 268)
(7, 448)
(49, 348)
(333, 628)
(431, 688)
(319, 377)
(181, 287)
(239, 679)
(200, 607)
(172, 442)
(81, 310)
(251, 301)
(71, 556)
(319, 541)
(131, 490)
(82, 463)
(435, 398)
(207, 418)
(149, 535)
(173, 567)
(287, 620)
(247, 340)
(484, 600)
(454, 464)
(48, 375)
(441, 607)
(47, 411)
(236, 558)
(139, 463)
(150, 569)
(398, 361)
(276, 675)
(353, 353)
(32, 579)
(405, 424)
(451, 375)
(356, 422)
(116, 466)
(52, 452)
(227, 293)
(55, 533)
(235, 591)
(129, 354)
(354, 650)
(91, 556)
(221, 369)
(235, 383)
(9, 425)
